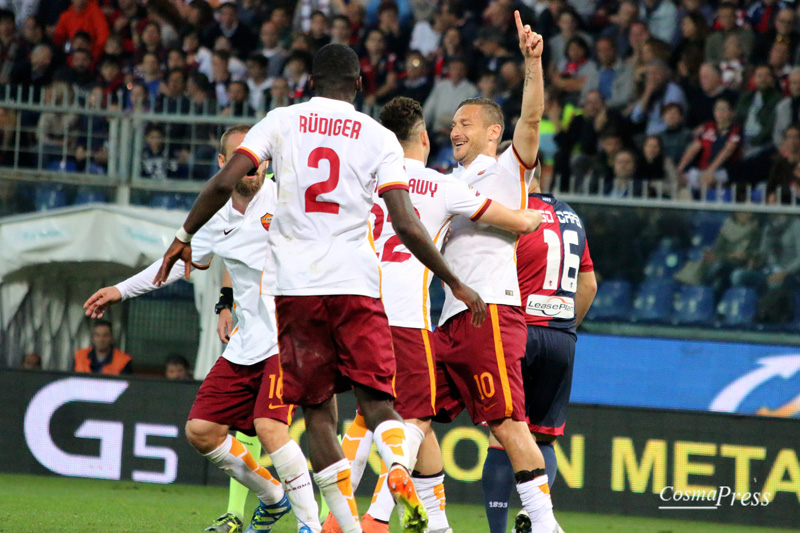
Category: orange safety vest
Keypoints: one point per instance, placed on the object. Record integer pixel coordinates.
(118, 361)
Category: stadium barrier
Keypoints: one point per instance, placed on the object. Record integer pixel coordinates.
(659, 463)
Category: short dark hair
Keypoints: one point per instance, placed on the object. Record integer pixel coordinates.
(102, 323)
(6, 14)
(177, 359)
(492, 112)
(260, 59)
(335, 66)
(81, 34)
(401, 115)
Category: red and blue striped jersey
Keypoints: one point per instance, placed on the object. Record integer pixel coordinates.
(548, 262)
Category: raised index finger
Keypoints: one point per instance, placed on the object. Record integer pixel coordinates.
(518, 20)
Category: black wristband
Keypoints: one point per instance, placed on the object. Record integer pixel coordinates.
(225, 299)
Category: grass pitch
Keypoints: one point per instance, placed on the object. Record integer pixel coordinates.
(39, 503)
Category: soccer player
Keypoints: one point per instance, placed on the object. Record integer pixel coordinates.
(557, 283)
(481, 367)
(242, 389)
(333, 332)
(404, 285)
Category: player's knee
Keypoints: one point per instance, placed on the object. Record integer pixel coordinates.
(272, 433)
(506, 429)
(544, 438)
(204, 436)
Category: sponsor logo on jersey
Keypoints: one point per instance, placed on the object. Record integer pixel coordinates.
(550, 306)
(266, 221)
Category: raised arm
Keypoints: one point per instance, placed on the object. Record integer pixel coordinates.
(415, 237)
(526, 132)
(520, 221)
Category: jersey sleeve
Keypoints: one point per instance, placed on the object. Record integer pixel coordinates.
(586, 260)
(464, 200)
(202, 246)
(391, 172)
(512, 167)
(259, 142)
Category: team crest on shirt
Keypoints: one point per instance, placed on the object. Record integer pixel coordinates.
(266, 221)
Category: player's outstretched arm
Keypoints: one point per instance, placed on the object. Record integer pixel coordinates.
(225, 322)
(526, 132)
(520, 221)
(98, 302)
(415, 237)
(213, 196)
(584, 295)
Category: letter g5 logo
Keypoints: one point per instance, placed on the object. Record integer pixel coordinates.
(37, 428)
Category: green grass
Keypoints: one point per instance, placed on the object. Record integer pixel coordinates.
(37, 503)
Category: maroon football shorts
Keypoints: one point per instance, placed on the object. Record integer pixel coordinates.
(416, 373)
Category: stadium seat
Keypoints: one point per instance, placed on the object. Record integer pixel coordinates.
(706, 225)
(49, 197)
(653, 303)
(87, 196)
(738, 306)
(663, 264)
(612, 302)
(719, 195)
(694, 305)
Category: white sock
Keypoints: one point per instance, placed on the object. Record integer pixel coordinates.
(334, 484)
(535, 497)
(356, 444)
(431, 492)
(390, 439)
(292, 468)
(234, 459)
(414, 438)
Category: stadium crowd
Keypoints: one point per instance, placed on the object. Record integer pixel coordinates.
(652, 97)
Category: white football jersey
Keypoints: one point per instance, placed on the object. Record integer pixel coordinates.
(328, 160)
(482, 256)
(239, 239)
(405, 281)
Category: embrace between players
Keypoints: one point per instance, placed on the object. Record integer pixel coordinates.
(347, 303)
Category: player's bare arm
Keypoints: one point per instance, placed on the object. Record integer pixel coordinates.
(225, 322)
(584, 295)
(415, 237)
(98, 302)
(526, 132)
(213, 196)
(519, 221)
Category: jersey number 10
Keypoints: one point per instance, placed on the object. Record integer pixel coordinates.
(572, 262)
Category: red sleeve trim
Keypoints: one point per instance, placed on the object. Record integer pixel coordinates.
(521, 162)
(249, 153)
(479, 213)
(392, 186)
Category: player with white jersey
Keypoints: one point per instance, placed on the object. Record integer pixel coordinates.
(333, 332)
(241, 390)
(480, 367)
(404, 285)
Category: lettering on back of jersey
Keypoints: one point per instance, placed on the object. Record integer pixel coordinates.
(550, 306)
(547, 217)
(422, 187)
(313, 123)
(568, 217)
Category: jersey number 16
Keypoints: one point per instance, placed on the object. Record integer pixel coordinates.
(572, 262)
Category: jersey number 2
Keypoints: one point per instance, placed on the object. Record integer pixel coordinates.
(389, 255)
(572, 263)
(319, 206)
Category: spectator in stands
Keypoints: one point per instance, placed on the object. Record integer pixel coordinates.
(150, 73)
(378, 71)
(761, 14)
(83, 15)
(702, 97)
(177, 367)
(55, 130)
(91, 150)
(281, 19)
(734, 247)
(788, 109)
(242, 38)
(444, 99)
(693, 33)
(779, 63)
(319, 31)
(661, 16)
(36, 72)
(394, 34)
(611, 143)
(782, 180)
(257, 81)
(626, 15)
(172, 96)
(577, 142)
(569, 24)
(493, 55)
(676, 137)
(613, 78)
(150, 43)
(756, 110)
(426, 36)
(656, 170)
(238, 96)
(341, 32)
(417, 83)
(9, 45)
(624, 182)
(715, 148)
(658, 92)
(726, 20)
(31, 361)
(297, 72)
(279, 94)
(221, 75)
(102, 357)
(571, 74)
(159, 162)
(111, 79)
(138, 98)
(452, 46)
(80, 74)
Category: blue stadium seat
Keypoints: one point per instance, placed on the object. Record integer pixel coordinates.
(88, 196)
(653, 303)
(663, 264)
(738, 306)
(694, 305)
(49, 197)
(612, 302)
(719, 195)
(706, 225)
(166, 201)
